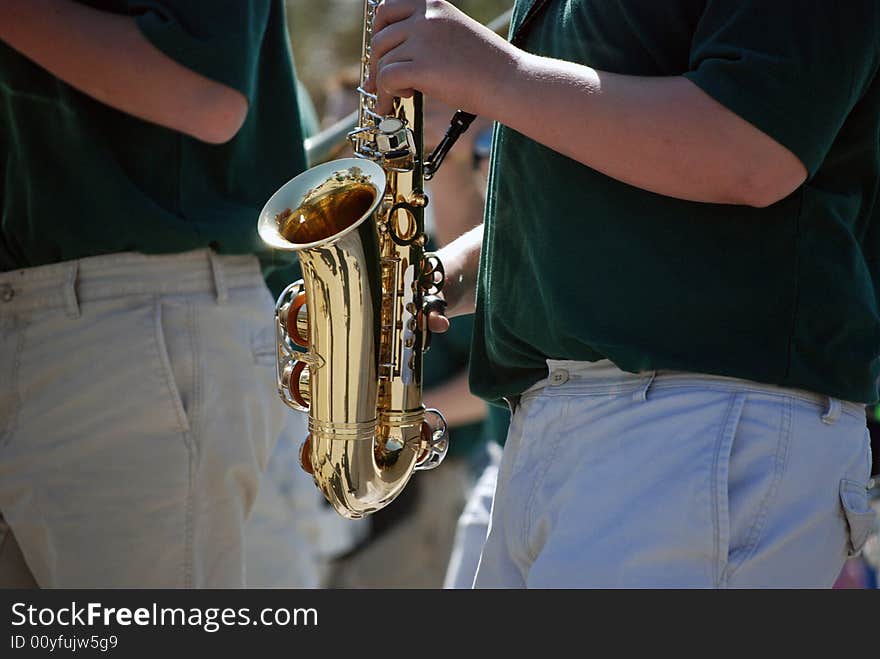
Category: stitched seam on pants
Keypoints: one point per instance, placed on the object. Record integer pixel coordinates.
(779, 463)
(531, 552)
(19, 327)
(185, 430)
(720, 504)
(855, 410)
(665, 383)
(196, 407)
(166, 370)
(195, 423)
(189, 524)
(514, 525)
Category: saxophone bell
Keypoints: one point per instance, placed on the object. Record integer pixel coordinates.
(348, 344)
(351, 334)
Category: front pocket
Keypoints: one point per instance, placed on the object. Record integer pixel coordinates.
(756, 466)
(11, 342)
(263, 345)
(176, 358)
(860, 518)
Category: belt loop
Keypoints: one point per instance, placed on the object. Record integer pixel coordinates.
(832, 412)
(71, 303)
(641, 394)
(219, 280)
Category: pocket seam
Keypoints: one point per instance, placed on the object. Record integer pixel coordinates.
(859, 523)
(531, 502)
(263, 355)
(720, 484)
(168, 372)
(756, 532)
(17, 328)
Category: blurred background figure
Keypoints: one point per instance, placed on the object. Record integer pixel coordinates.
(139, 141)
(473, 523)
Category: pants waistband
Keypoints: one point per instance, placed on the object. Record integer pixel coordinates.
(603, 377)
(70, 283)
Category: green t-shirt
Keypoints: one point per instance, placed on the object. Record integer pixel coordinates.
(79, 178)
(579, 266)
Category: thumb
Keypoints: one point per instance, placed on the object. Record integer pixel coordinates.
(437, 322)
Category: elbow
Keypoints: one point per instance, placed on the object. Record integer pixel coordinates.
(772, 188)
(764, 186)
(220, 115)
(761, 196)
(764, 181)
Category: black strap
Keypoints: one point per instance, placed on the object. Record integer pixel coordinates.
(457, 125)
(461, 119)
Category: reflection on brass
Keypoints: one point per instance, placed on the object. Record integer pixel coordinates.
(404, 224)
(327, 215)
(356, 362)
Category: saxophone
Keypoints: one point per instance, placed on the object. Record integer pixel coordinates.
(350, 334)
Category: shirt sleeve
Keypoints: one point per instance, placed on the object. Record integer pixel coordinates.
(792, 68)
(220, 39)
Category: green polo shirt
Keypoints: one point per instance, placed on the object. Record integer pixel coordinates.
(577, 265)
(78, 178)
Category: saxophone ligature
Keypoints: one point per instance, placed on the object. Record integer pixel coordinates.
(350, 334)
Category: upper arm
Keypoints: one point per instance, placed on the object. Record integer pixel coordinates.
(221, 43)
(793, 69)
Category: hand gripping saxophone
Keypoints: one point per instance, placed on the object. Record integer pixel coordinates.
(357, 225)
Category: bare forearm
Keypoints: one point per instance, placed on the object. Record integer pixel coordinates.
(461, 260)
(662, 134)
(105, 56)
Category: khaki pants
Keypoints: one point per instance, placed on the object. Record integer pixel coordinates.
(676, 480)
(137, 410)
(14, 571)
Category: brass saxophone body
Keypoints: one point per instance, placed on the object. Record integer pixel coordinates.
(350, 334)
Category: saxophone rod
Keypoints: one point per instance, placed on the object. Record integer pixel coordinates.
(323, 144)
(500, 23)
